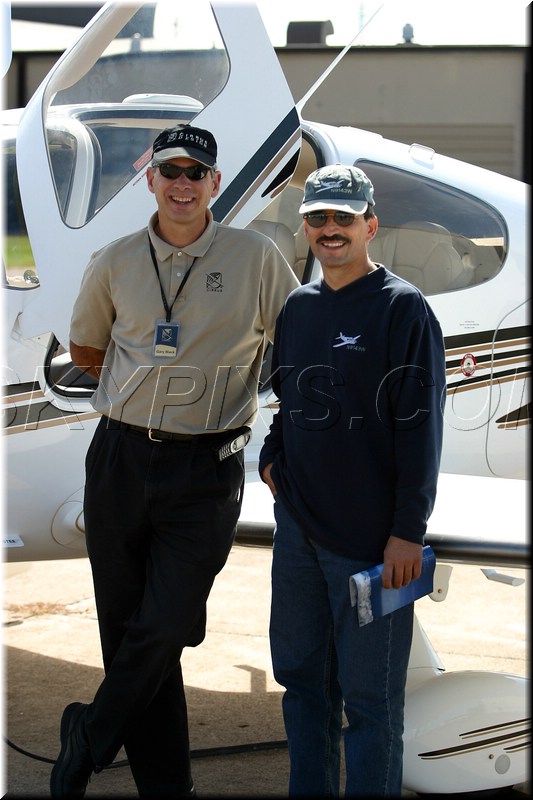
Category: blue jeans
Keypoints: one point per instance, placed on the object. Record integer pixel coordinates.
(326, 662)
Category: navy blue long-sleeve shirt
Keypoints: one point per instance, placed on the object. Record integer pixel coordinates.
(356, 444)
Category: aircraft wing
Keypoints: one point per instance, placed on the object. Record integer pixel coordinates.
(480, 520)
(476, 520)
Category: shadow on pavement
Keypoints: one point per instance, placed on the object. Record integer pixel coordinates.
(237, 738)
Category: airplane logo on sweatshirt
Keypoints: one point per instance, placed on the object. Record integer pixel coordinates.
(346, 341)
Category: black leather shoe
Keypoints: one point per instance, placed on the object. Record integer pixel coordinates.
(74, 765)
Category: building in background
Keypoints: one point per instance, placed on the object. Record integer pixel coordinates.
(468, 102)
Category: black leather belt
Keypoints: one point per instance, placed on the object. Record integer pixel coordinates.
(156, 435)
(160, 436)
(234, 440)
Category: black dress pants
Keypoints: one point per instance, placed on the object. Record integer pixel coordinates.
(160, 521)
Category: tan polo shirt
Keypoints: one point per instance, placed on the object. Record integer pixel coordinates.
(237, 285)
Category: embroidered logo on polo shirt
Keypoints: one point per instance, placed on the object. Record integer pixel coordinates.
(213, 282)
(349, 342)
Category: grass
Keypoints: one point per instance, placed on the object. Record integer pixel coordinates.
(17, 252)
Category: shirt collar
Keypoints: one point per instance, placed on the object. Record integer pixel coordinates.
(196, 249)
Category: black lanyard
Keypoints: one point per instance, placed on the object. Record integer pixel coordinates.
(180, 287)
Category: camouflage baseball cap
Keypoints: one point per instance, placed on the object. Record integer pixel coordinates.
(340, 187)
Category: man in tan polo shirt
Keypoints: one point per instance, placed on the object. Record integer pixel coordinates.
(172, 321)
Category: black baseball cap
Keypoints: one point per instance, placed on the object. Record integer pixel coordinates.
(186, 141)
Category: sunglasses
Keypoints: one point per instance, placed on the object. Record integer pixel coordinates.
(172, 171)
(317, 219)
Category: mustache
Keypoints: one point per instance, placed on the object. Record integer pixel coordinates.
(335, 238)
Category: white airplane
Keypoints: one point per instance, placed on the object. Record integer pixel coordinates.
(75, 161)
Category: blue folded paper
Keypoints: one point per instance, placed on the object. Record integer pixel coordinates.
(373, 601)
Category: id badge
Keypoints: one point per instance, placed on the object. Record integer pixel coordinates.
(166, 339)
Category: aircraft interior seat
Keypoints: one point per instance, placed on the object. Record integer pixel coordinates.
(302, 250)
(280, 234)
(425, 256)
(481, 262)
(489, 264)
(381, 248)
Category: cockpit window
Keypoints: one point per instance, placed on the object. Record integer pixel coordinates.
(19, 264)
(157, 72)
(435, 236)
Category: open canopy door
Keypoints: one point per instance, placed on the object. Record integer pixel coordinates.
(84, 140)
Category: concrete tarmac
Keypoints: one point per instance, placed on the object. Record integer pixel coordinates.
(52, 657)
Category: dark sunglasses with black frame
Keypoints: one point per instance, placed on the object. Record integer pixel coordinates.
(196, 172)
(317, 219)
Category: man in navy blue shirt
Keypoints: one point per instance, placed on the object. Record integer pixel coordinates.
(352, 459)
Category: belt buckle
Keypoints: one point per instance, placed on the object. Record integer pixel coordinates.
(152, 438)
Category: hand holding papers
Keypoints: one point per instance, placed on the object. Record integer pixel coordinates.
(373, 601)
